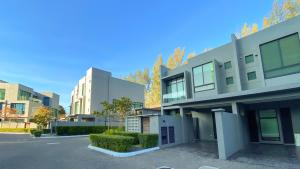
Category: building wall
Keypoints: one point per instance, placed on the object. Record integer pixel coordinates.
(11, 95)
(98, 86)
(206, 128)
(235, 51)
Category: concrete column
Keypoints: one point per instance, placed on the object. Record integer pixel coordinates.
(184, 139)
(229, 133)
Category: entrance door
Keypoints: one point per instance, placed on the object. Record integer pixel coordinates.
(146, 124)
(269, 126)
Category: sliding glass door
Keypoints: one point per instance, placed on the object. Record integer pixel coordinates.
(269, 126)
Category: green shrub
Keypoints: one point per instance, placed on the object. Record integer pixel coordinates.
(148, 140)
(79, 130)
(112, 142)
(130, 134)
(37, 133)
(46, 131)
(16, 130)
(32, 131)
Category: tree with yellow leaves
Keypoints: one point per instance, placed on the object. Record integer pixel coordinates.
(254, 28)
(190, 55)
(245, 30)
(171, 62)
(42, 116)
(154, 98)
(291, 8)
(266, 22)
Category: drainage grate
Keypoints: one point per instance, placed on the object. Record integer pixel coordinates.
(164, 167)
(208, 167)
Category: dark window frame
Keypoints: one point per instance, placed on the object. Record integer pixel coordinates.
(283, 67)
(203, 78)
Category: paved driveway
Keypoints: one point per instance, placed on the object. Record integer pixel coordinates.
(24, 152)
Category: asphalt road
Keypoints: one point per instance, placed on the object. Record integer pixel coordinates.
(25, 152)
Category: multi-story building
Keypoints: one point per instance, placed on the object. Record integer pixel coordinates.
(98, 86)
(245, 91)
(24, 100)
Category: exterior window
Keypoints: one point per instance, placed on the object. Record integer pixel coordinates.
(229, 80)
(251, 75)
(23, 95)
(227, 65)
(204, 77)
(281, 57)
(46, 101)
(20, 107)
(2, 94)
(76, 108)
(174, 90)
(137, 105)
(249, 59)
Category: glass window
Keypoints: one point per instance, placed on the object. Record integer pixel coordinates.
(20, 107)
(227, 65)
(175, 90)
(46, 101)
(249, 59)
(281, 57)
(23, 95)
(251, 75)
(198, 76)
(2, 94)
(229, 80)
(290, 50)
(269, 125)
(204, 77)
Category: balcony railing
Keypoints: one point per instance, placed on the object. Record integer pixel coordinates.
(174, 96)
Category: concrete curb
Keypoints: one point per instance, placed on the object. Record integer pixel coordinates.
(64, 136)
(125, 154)
(13, 133)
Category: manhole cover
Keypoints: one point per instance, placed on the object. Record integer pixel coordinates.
(208, 167)
(164, 167)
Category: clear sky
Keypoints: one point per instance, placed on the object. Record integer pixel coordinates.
(49, 45)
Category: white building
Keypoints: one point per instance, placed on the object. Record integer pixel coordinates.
(98, 86)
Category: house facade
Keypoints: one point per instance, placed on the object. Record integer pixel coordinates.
(246, 91)
(24, 100)
(98, 86)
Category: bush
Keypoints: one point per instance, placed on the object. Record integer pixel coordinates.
(46, 131)
(17, 130)
(37, 133)
(79, 130)
(135, 136)
(112, 142)
(148, 140)
(32, 131)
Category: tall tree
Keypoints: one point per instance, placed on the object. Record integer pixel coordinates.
(109, 111)
(266, 22)
(178, 56)
(155, 98)
(245, 30)
(254, 28)
(277, 14)
(171, 62)
(291, 8)
(190, 55)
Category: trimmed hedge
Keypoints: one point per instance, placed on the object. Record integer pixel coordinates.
(79, 130)
(46, 131)
(148, 140)
(135, 136)
(112, 142)
(37, 133)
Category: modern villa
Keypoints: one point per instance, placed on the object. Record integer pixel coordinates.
(98, 86)
(246, 91)
(25, 100)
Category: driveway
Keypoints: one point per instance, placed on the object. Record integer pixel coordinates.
(25, 152)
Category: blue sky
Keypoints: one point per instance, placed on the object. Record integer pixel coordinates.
(49, 45)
